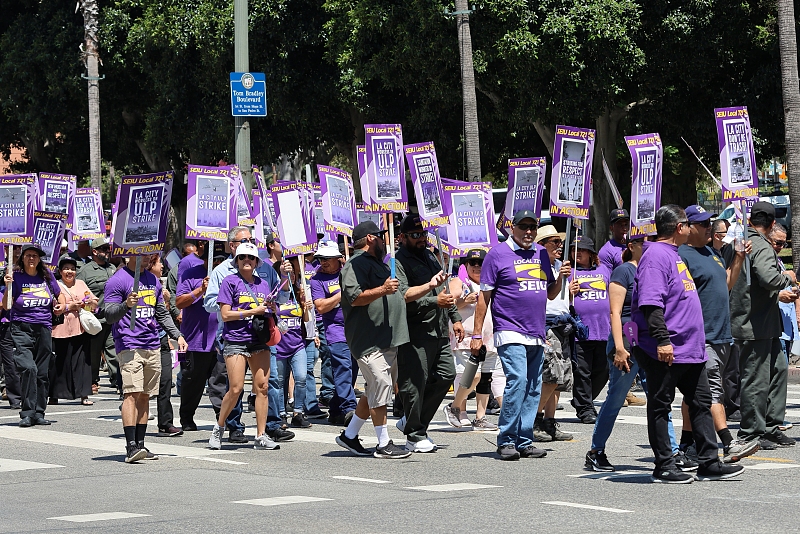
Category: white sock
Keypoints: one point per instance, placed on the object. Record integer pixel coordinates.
(354, 427)
(383, 435)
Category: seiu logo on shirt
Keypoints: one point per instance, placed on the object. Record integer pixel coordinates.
(333, 287)
(246, 301)
(592, 287)
(147, 303)
(686, 277)
(35, 296)
(530, 275)
(292, 313)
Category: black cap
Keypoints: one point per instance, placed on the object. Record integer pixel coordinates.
(586, 243)
(618, 215)
(476, 254)
(411, 222)
(36, 247)
(66, 258)
(524, 214)
(363, 229)
(269, 237)
(763, 207)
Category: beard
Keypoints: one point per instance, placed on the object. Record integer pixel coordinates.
(380, 250)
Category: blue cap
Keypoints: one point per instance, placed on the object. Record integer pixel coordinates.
(695, 214)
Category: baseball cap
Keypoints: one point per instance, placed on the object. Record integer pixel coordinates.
(586, 243)
(66, 258)
(411, 222)
(327, 249)
(29, 246)
(763, 207)
(617, 215)
(696, 214)
(248, 248)
(476, 254)
(363, 229)
(524, 214)
(99, 242)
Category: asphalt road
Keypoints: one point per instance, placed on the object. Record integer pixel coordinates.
(71, 477)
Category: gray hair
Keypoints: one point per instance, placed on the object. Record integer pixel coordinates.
(777, 228)
(235, 230)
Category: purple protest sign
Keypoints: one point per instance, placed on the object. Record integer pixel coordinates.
(385, 169)
(243, 215)
(55, 192)
(142, 214)
(48, 232)
(361, 164)
(572, 171)
(267, 211)
(363, 215)
(211, 204)
(472, 217)
(259, 231)
(294, 209)
(525, 187)
(737, 159)
(18, 194)
(86, 220)
(424, 168)
(647, 156)
(338, 200)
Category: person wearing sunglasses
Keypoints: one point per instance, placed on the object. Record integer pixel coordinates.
(425, 368)
(516, 282)
(610, 254)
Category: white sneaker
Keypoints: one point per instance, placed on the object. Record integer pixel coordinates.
(263, 442)
(215, 441)
(426, 445)
(452, 415)
(150, 416)
(465, 421)
(401, 424)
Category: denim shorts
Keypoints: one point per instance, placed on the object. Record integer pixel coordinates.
(240, 347)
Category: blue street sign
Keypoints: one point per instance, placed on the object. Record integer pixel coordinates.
(248, 94)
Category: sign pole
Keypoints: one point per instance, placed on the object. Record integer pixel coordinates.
(9, 268)
(441, 257)
(566, 249)
(391, 244)
(210, 256)
(746, 257)
(346, 249)
(136, 275)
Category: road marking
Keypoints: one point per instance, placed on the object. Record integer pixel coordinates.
(358, 479)
(277, 501)
(300, 434)
(594, 475)
(106, 516)
(766, 459)
(50, 414)
(588, 507)
(7, 465)
(217, 460)
(452, 487)
(771, 466)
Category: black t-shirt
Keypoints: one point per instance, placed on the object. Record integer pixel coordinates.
(624, 276)
(707, 268)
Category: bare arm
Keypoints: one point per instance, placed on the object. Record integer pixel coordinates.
(484, 300)
(187, 299)
(616, 297)
(326, 305)
(735, 267)
(417, 292)
(555, 288)
(237, 315)
(368, 296)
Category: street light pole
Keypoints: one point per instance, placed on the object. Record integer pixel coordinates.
(241, 59)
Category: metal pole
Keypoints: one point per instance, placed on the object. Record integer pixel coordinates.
(564, 282)
(242, 64)
(136, 289)
(9, 268)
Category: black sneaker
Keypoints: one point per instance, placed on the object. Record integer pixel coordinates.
(780, 439)
(353, 445)
(134, 454)
(237, 436)
(671, 476)
(348, 417)
(280, 434)
(718, 471)
(684, 463)
(735, 417)
(150, 455)
(493, 407)
(532, 452)
(317, 414)
(767, 445)
(508, 452)
(250, 407)
(391, 451)
(299, 420)
(598, 461)
(336, 419)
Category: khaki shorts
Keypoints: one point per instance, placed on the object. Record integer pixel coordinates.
(140, 370)
(376, 369)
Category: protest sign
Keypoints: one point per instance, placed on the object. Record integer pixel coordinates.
(211, 204)
(48, 232)
(85, 220)
(472, 217)
(525, 188)
(142, 214)
(385, 169)
(737, 159)
(55, 192)
(243, 215)
(18, 194)
(363, 215)
(338, 200)
(424, 168)
(572, 172)
(647, 157)
(361, 164)
(294, 210)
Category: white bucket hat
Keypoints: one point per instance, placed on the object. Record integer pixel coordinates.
(327, 249)
(248, 249)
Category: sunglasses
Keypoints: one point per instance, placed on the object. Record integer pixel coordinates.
(417, 235)
(704, 224)
(475, 263)
(556, 242)
(683, 222)
(246, 257)
(781, 244)
(527, 227)
(104, 249)
(244, 240)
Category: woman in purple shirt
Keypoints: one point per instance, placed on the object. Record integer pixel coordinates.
(34, 297)
(589, 288)
(242, 296)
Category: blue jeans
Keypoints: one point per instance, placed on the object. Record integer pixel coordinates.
(523, 368)
(619, 384)
(298, 363)
(344, 398)
(326, 374)
(274, 394)
(312, 406)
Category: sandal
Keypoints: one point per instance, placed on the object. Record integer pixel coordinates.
(86, 402)
(52, 402)
(95, 389)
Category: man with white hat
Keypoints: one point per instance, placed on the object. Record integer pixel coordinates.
(327, 296)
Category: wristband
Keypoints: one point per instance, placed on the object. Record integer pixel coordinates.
(241, 317)
(477, 337)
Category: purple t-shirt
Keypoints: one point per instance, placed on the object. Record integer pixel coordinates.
(199, 328)
(520, 279)
(591, 302)
(146, 333)
(324, 286)
(610, 254)
(663, 280)
(33, 299)
(292, 340)
(192, 260)
(233, 291)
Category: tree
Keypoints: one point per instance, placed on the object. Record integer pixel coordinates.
(472, 147)
(91, 57)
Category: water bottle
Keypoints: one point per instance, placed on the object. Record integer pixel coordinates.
(738, 237)
(471, 367)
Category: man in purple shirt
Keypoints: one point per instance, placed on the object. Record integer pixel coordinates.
(671, 348)
(517, 281)
(611, 253)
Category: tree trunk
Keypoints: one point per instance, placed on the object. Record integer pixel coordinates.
(787, 39)
(472, 147)
(92, 59)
